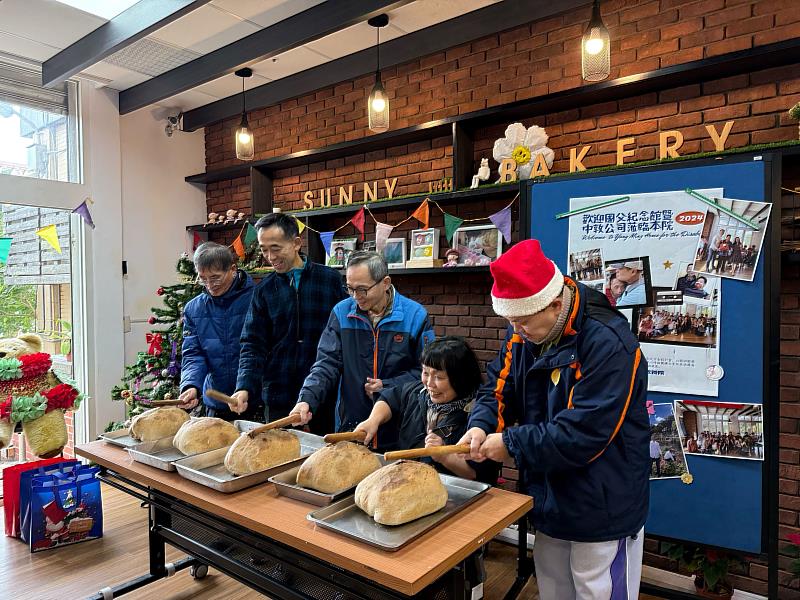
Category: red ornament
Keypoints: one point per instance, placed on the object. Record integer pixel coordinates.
(160, 291)
(35, 364)
(61, 396)
(152, 320)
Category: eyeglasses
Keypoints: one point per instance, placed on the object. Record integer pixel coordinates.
(214, 280)
(360, 291)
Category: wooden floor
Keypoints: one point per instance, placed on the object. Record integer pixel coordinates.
(77, 571)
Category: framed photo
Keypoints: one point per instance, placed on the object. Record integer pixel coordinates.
(340, 252)
(395, 252)
(478, 245)
(424, 243)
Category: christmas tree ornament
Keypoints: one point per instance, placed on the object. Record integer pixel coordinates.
(160, 291)
(152, 320)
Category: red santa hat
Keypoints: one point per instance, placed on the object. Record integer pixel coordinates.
(525, 281)
(54, 512)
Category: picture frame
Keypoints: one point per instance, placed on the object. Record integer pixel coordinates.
(340, 251)
(394, 252)
(424, 244)
(477, 245)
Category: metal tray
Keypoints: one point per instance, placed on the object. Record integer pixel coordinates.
(346, 518)
(120, 437)
(208, 469)
(161, 454)
(286, 485)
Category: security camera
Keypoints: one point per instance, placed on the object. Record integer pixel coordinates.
(174, 123)
(174, 120)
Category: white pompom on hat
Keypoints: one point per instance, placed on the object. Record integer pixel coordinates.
(525, 281)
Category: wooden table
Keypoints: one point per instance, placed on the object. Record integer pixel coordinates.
(259, 513)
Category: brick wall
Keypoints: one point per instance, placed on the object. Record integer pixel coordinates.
(530, 61)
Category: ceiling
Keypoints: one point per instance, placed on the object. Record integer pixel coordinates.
(39, 29)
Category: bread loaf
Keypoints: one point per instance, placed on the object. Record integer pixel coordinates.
(157, 423)
(401, 492)
(265, 450)
(337, 467)
(204, 434)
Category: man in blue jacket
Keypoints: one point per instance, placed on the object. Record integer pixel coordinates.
(212, 324)
(290, 308)
(573, 377)
(373, 341)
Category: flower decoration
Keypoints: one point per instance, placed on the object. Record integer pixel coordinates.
(522, 145)
(28, 408)
(35, 364)
(5, 409)
(61, 396)
(10, 368)
(687, 478)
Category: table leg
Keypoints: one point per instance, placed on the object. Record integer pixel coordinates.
(524, 562)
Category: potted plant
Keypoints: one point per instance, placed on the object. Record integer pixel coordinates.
(794, 113)
(710, 569)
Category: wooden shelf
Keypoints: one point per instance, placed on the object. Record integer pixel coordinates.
(438, 270)
(484, 193)
(218, 226)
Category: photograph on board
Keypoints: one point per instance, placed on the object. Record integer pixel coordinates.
(627, 282)
(586, 267)
(696, 288)
(666, 451)
(686, 324)
(721, 429)
(730, 246)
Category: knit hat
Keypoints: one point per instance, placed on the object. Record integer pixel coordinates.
(525, 281)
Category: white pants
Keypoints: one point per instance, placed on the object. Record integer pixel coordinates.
(588, 570)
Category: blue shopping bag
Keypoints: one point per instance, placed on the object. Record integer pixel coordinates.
(66, 508)
(25, 481)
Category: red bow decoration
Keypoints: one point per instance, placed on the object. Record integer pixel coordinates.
(61, 396)
(35, 364)
(5, 410)
(155, 340)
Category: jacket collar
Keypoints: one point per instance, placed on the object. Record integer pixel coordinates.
(306, 269)
(241, 282)
(565, 351)
(396, 314)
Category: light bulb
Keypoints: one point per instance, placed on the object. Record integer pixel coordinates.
(594, 45)
(378, 104)
(244, 137)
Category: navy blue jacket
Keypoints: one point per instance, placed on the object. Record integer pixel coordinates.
(351, 350)
(582, 443)
(211, 330)
(282, 330)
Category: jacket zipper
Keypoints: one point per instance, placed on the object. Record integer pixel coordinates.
(375, 333)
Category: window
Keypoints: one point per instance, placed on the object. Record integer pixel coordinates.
(38, 126)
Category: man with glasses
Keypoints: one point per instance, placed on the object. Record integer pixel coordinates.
(288, 313)
(373, 342)
(212, 325)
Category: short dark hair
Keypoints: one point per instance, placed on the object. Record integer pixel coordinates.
(287, 224)
(453, 355)
(210, 255)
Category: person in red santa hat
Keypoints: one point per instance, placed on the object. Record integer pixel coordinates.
(565, 398)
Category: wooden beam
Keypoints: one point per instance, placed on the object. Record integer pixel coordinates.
(311, 24)
(141, 19)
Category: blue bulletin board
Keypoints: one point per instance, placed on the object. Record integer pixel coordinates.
(728, 504)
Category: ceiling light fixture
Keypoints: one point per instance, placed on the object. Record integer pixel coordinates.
(595, 48)
(378, 102)
(245, 147)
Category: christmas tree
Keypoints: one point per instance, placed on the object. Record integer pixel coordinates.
(157, 372)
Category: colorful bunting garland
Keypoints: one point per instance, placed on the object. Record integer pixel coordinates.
(50, 235)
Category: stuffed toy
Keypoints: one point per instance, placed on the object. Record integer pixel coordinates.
(230, 216)
(32, 393)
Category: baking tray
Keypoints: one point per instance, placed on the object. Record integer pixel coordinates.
(346, 518)
(285, 484)
(120, 437)
(208, 469)
(161, 454)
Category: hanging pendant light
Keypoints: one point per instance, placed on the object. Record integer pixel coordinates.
(245, 146)
(596, 48)
(378, 101)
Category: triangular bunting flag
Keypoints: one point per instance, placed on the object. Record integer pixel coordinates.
(451, 223)
(326, 237)
(382, 233)
(83, 211)
(502, 220)
(238, 247)
(422, 214)
(358, 222)
(5, 247)
(50, 235)
(300, 226)
(196, 240)
(250, 234)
